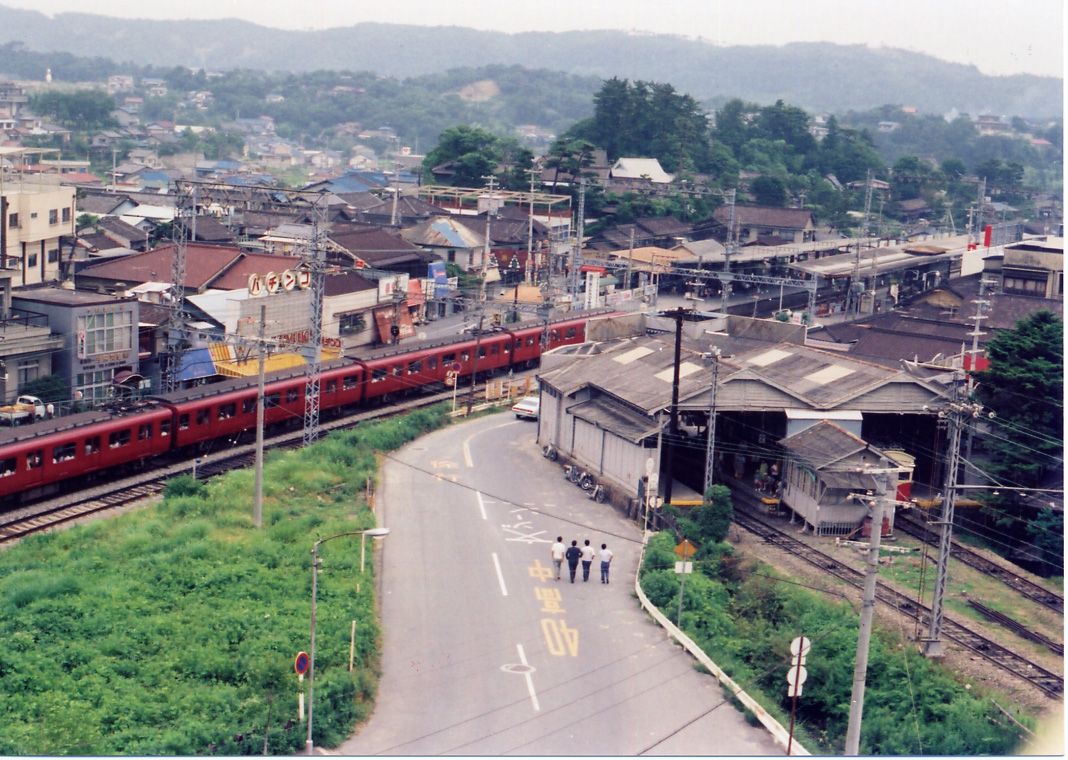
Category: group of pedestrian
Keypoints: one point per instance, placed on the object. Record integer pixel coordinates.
(584, 554)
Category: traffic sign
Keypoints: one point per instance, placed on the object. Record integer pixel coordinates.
(685, 549)
(301, 663)
(799, 648)
(683, 568)
(795, 678)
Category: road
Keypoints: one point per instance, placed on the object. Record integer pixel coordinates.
(485, 653)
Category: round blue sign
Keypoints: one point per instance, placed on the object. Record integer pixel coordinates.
(301, 663)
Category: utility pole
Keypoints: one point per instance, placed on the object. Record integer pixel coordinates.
(867, 612)
(956, 413)
(728, 251)
(481, 297)
(528, 270)
(257, 508)
(673, 420)
(576, 251)
(176, 320)
(980, 306)
(710, 428)
(315, 261)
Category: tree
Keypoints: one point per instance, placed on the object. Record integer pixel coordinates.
(768, 190)
(83, 109)
(714, 515)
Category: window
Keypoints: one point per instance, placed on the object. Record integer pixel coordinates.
(183, 422)
(493, 350)
(396, 370)
(31, 260)
(571, 333)
(415, 367)
(95, 385)
(248, 406)
(464, 356)
(272, 399)
(66, 214)
(226, 411)
(531, 340)
(448, 358)
(292, 395)
(33, 460)
(144, 432)
(164, 428)
(377, 374)
(203, 415)
(118, 439)
(105, 333)
(53, 256)
(63, 453)
(481, 352)
(349, 382)
(331, 386)
(92, 444)
(13, 221)
(53, 216)
(28, 370)
(431, 364)
(8, 467)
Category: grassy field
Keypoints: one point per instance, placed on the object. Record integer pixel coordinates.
(172, 630)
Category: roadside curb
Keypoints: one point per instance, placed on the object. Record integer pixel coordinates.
(778, 733)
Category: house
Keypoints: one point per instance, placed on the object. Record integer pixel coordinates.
(125, 235)
(33, 218)
(751, 222)
(27, 344)
(450, 240)
(648, 169)
(826, 467)
(912, 209)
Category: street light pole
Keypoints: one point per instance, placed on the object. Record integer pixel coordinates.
(309, 747)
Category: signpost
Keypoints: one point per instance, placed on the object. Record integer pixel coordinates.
(300, 665)
(795, 677)
(684, 550)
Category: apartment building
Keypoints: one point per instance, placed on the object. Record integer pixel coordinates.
(33, 217)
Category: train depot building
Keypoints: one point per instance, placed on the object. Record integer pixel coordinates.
(782, 410)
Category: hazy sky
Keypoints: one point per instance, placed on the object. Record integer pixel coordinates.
(1003, 37)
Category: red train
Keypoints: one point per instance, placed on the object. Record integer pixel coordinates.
(35, 459)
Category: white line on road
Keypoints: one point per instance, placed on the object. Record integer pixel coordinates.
(500, 575)
(530, 681)
(467, 452)
(481, 504)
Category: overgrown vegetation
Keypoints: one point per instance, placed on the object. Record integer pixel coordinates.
(744, 616)
(172, 630)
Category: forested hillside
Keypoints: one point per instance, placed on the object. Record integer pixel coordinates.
(815, 76)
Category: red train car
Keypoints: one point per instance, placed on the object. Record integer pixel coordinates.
(35, 457)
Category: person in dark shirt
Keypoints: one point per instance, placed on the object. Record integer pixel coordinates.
(573, 555)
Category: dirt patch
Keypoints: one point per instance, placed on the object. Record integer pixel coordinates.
(480, 91)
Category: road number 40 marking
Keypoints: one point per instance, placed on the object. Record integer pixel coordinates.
(560, 639)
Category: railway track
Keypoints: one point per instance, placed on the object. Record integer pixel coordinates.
(53, 512)
(916, 528)
(1051, 684)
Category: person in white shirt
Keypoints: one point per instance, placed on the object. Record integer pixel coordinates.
(557, 553)
(606, 560)
(587, 559)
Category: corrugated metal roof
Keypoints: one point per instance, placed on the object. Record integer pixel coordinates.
(614, 418)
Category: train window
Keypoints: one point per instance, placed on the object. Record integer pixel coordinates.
(144, 432)
(118, 438)
(493, 350)
(415, 367)
(481, 352)
(331, 386)
(164, 428)
(431, 364)
(63, 453)
(396, 370)
(203, 415)
(377, 374)
(33, 460)
(272, 399)
(554, 335)
(464, 356)
(292, 395)
(248, 406)
(349, 382)
(448, 358)
(183, 421)
(571, 332)
(226, 411)
(7, 467)
(507, 347)
(92, 444)
(531, 340)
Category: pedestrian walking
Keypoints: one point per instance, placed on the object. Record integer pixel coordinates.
(606, 561)
(574, 554)
(557, 553)
(587, 559)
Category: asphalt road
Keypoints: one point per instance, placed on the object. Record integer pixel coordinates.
(485, 653)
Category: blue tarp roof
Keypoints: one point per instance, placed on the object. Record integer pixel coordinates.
(196, 363)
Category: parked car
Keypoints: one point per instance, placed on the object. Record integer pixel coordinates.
(528, 407)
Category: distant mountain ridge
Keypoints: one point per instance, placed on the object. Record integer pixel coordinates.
(815, 76)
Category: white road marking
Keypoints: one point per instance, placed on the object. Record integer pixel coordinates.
(481, 504)
(530, 681)
(467, 452)
(500, 575)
